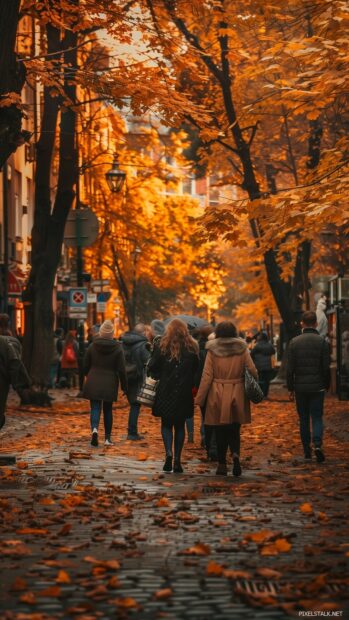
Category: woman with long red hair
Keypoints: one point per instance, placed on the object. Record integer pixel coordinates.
(174, 362)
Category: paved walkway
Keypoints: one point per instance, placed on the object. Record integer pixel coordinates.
(102, 533)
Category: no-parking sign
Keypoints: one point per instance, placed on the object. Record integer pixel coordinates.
(78, 303)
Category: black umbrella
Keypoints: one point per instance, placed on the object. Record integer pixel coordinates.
(193, 322)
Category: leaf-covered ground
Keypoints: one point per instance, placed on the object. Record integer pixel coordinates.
(92, 533)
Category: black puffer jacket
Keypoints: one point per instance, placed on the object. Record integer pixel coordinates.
(308, 363)
(262, 354)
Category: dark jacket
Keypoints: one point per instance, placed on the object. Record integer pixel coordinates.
(174, 397)
(12, 369)
(261, 354)
(308, 362)
(104, 366)
(137, 350)
(202, 357)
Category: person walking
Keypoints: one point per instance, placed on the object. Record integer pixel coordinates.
(57, 349)
(70, 360)
(222, 388)
(262, 354)
(104, 368)
(321, 317)
(12, 372)
(308, 377)
(136, 348)
(174, 362)
(201, 334)
(5, 330)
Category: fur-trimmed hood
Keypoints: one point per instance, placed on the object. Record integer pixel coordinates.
(226, 347)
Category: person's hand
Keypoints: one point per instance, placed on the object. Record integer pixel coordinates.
(291, 395)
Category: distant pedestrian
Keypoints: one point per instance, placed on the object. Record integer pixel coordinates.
(321, 317)
(222, 389)
(308, 377)
(136, 348)
(70, 360)
(104, 367)
(57, 349)
(174, 362)
(12, 372)
(201, 334)
(262, 354)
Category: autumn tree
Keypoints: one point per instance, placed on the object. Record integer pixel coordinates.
(12, 73)
(221, 55)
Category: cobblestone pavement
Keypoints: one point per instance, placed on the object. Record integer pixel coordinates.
(101, 532)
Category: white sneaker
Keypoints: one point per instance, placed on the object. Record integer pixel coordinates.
(108, 442)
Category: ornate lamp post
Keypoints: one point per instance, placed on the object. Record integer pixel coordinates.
(115, 177)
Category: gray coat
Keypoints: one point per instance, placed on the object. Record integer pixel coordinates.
(104, 366)
(308, 362)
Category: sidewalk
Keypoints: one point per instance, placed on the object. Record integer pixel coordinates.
(103, 533)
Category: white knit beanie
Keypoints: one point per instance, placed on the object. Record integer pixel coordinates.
(107, 330)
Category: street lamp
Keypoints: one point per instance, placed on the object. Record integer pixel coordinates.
(115, 177)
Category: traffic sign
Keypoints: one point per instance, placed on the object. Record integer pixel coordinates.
(81, 229)
(103, 296)
(101, 306)
(78, 299)
(77, 315)
(91, 298)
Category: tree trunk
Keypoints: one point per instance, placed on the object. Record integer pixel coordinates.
(48, 231)
(12, 80)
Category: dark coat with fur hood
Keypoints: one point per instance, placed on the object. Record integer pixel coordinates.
(222, 384)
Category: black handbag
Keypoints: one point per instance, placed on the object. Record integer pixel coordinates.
(253, 390)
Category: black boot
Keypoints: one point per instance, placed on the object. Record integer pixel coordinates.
(177, 467)
(236, 466)
(168, 463)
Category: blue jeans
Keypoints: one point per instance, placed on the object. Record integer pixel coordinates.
(190, 427)
(176, 431)
(96, 407)
(53, 374)
(133, 416)
(310, 406)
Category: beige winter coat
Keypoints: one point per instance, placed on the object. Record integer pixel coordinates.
(222, 382)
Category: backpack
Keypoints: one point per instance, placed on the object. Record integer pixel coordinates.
(130, 365)
(70, 354)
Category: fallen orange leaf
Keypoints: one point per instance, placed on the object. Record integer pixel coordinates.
(306, 508)
(268, 573)
(126, 603)
(199, 549)
(33, 531)
(28, 597)
(142, 456)
(261, 536)
(63, 577)
(213, 568)
(236, 574)
(163, 501)
(53, 591)
(281, 545)
(163, 594)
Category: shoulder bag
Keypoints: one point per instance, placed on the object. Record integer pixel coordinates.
(253, 390)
